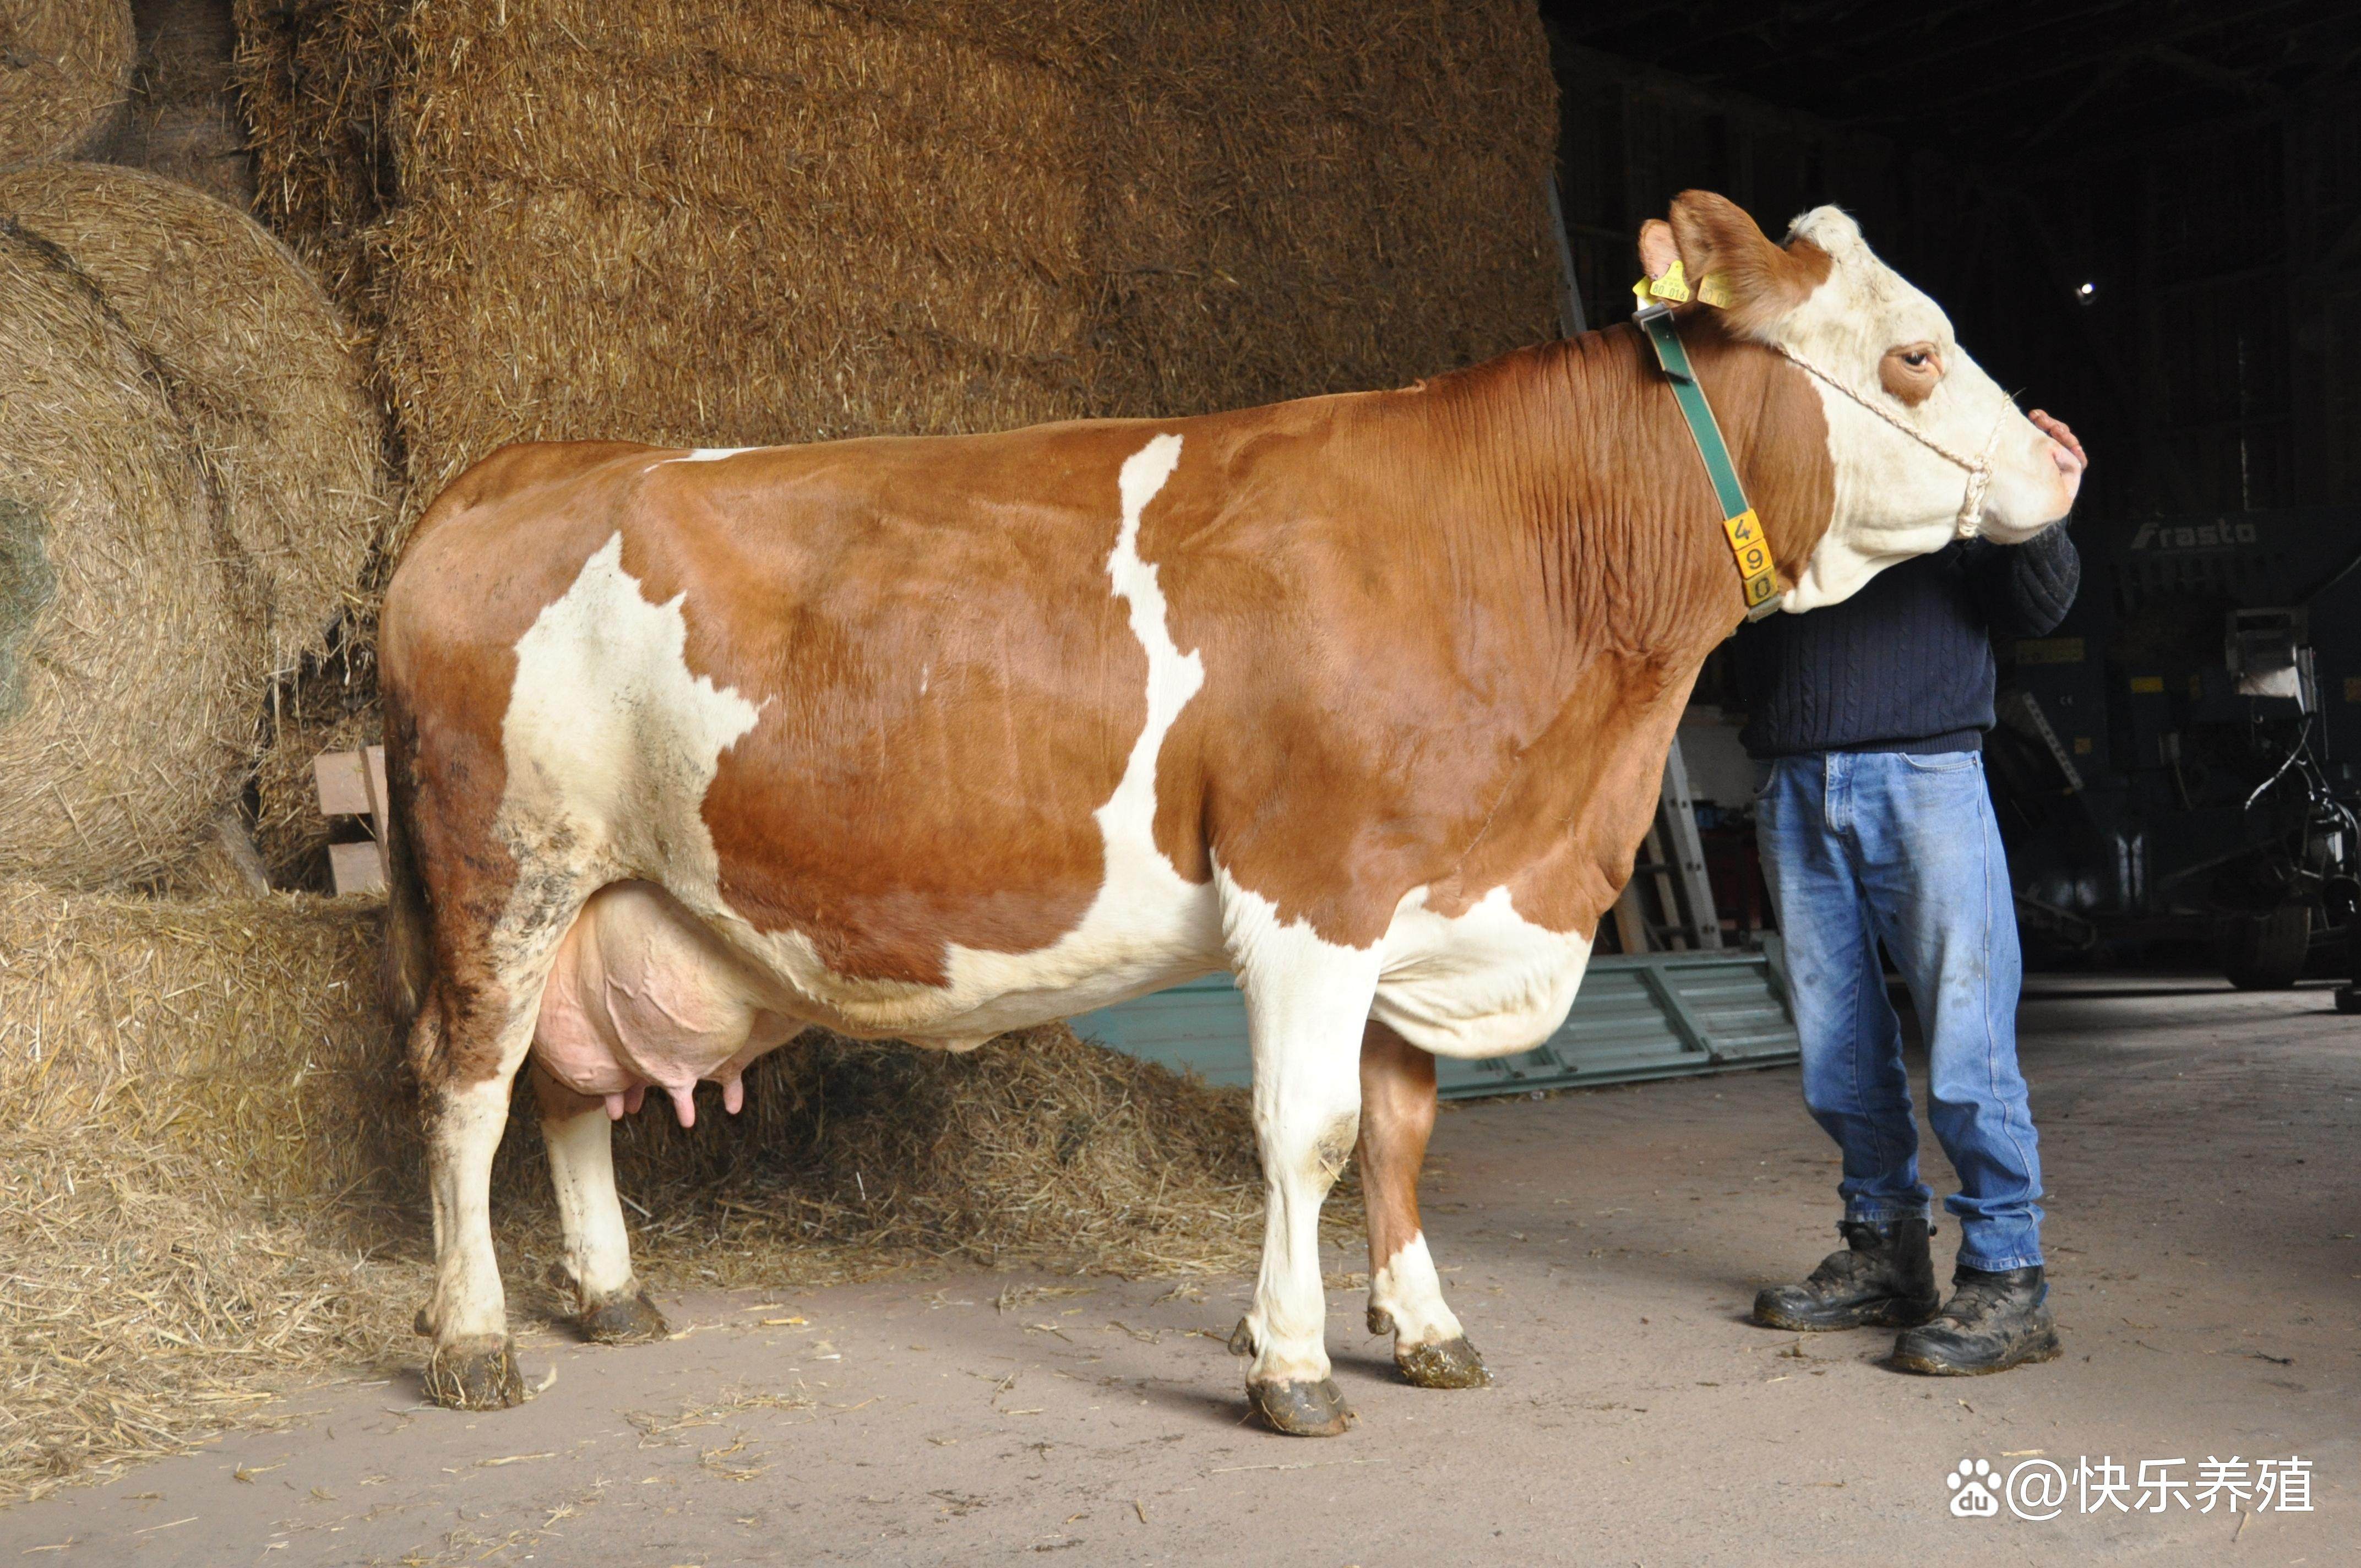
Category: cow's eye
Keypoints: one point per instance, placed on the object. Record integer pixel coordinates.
(1912, 372)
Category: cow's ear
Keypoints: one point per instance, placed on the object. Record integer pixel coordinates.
(1658, 250)
(1759, 282)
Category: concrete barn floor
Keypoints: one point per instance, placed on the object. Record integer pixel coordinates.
(1602, 1248)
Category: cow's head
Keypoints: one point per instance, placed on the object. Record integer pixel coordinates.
(1883, 357)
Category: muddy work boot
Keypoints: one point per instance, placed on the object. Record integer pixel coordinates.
(1993, 1322)
(1885, 1278)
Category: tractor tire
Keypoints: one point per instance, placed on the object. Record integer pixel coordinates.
(2264, 952)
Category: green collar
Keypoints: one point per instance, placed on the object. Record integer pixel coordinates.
(1752, 552)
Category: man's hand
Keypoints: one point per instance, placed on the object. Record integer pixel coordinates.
(2059, 430)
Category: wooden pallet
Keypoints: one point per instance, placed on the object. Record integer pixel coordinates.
(352, 783)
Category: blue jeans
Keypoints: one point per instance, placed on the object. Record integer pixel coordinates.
(1864, 846)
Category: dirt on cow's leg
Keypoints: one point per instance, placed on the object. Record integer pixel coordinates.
(1405, 1293)
(473, 1363)
(1306, 1002)
(611, 1307)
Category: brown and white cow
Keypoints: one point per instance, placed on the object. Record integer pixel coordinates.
(1362, 698)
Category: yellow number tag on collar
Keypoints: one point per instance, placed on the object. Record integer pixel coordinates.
(1756, 569)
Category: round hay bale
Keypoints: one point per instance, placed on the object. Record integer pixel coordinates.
(255, 358)
(65, 76)
(130, 670)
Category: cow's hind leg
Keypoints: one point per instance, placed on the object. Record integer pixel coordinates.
(1305, 1004)
(468, 1046)
(1405, 1296)
(611, 1307)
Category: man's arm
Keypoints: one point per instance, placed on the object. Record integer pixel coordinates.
(2025, 590)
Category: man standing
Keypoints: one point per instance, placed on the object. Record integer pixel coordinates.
(1875, 826)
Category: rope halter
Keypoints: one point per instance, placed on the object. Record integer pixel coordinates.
(1972, 506)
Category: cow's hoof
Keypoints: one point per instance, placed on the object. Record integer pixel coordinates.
(475, 1374)
(623, 1320)
(1302, 1410)
(1452, 1363)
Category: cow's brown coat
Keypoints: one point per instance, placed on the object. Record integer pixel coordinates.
(1446, 631)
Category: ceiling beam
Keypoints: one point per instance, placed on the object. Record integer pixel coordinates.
(1920, 25)
(2237, 81)
(2098, 84)
(1999, 83)
(1846, 51)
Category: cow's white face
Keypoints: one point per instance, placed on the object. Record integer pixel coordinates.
(1892, 365)
(1892, 347)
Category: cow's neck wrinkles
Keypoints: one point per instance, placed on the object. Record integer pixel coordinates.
(1576, 502)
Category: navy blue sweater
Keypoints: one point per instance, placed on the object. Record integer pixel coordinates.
(1906, 665)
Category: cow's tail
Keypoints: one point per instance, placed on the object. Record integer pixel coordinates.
(406, 962)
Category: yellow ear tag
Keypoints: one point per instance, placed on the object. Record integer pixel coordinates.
(1671, 289)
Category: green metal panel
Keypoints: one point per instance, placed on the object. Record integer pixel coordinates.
(1198, 1026)
(1654, 1016)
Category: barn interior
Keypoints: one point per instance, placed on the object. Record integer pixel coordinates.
(2146, 216)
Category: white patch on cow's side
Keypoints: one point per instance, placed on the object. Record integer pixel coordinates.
(1484, 982)
(1408, 1290)
(713, 454)
(1307, 1002)
(611, 742)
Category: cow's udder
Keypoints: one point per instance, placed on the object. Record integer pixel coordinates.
(642, 995)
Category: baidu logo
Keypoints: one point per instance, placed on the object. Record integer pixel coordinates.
(1971, 1490)
(2038, 1488)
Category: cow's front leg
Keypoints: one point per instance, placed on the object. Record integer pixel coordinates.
(1306, 1000)
(612, 1307)
(467, 1066)
(1405, 1296)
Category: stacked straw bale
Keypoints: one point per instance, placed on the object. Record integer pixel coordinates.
(185, 122)
(65, 77)
(732, 226)
(216, 1158)
(255, 359)
(664, 220)
(167, 1066)
(318, 79)
(130, 666)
